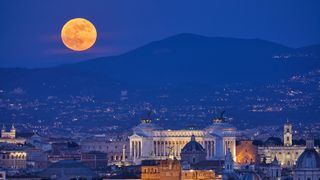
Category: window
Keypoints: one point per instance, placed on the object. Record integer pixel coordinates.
(288, 130)
(287, 138)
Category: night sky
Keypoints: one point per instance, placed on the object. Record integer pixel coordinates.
(30, 29)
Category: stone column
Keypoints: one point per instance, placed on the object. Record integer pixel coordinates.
(161, 148)
(212, 149)
(177, 148)
(130, 150)
(156, 149)
(209, 149)
(139, 149)
(165, 148)
(124, 153)
(234, 150)
(134, 150)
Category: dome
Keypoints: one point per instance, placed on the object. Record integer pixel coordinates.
(193, 146)
(309, 159)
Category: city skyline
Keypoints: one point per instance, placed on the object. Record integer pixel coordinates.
(160, 90)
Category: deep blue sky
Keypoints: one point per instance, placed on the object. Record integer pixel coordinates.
(30, 29)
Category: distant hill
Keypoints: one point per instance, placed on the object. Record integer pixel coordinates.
(183, 58)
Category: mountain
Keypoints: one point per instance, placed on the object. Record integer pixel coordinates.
(180, 59)
(185, 79)
(312, 51)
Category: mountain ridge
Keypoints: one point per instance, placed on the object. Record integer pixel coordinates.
(182, 58)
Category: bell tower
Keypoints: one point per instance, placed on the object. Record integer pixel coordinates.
(13, 132)
(3, 131)
(287, 134)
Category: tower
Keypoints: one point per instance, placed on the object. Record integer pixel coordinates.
(3, 131)
(13, 132)
(228, 163)
(287, 134)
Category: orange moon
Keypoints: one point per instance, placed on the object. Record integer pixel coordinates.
(78, 34)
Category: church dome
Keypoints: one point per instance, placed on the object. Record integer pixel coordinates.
(193, 146)
(309, 159)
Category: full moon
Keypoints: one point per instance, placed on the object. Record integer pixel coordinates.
(78, 34)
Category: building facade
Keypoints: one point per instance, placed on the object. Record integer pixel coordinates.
(95, 159)
(117, 151)
(170, 169)
(152, 142)
(10, 136)
(270, 171)
(287, 154)
(14, 159)
(246, 152)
